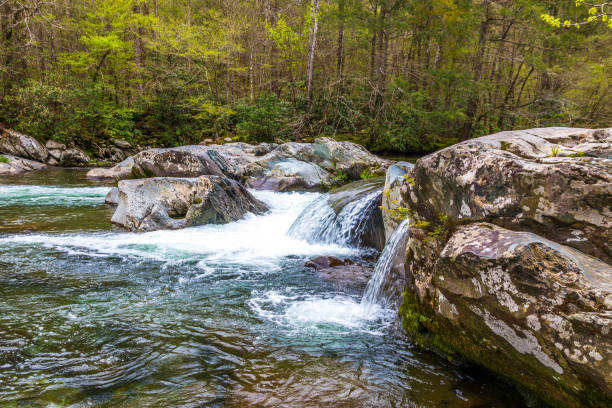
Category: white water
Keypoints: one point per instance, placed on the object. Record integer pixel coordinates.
(320, 223)
(373, 293)
(260, 243)
(46, 195)
(254, 240)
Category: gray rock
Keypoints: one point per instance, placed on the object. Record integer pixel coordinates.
(74, 157)
(172, 203)
(397, 175)
(121, 144)
(119, 172)
(17, 165)
(112, 197)
(516, 303)
(55, 145)
(292, 175)
(510, 179)
(20, 145)
(263, 163)
(55, 155)
(509, 256)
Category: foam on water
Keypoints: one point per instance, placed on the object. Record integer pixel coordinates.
(308, 312)
(32, 195)
(254, 240)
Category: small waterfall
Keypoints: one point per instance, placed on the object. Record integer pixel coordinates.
(320, 223)
(373, 291)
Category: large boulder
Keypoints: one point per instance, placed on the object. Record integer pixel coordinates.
(509, 258)
(172, 203)
(10, 165)
(287, 166)
(347, 157)
(292, 174)
(20, 145)
(514, 180)
(535, 312)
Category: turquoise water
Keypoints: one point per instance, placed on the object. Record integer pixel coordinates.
(207, 316)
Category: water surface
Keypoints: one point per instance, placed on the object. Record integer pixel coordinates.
(207, 316)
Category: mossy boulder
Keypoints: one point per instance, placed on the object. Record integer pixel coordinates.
(510, 259)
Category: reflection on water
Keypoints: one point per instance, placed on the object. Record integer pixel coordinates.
(215, 315)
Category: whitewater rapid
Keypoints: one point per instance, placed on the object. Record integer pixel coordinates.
(254, 244)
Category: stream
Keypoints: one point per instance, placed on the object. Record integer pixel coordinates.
(218, 315)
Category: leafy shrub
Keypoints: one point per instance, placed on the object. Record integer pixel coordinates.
(262, 121)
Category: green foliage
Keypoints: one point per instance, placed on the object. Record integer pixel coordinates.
(263, 120)
(340, 177)
(89, 71)
(397, 212)
(554, 151)
(369, 173)
(4, 159)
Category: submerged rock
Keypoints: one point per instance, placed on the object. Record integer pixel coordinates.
(172, 203)
(509, 259)
(17, 165)
(340, 271)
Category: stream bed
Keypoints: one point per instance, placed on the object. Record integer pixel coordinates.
(223, 315)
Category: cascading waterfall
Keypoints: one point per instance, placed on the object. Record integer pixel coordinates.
(374, 288)
(320, 223)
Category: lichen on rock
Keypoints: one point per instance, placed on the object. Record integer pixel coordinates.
(521, 281)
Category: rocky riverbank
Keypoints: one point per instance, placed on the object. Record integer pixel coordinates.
(507, 253)
(23, 153)
(509, 258)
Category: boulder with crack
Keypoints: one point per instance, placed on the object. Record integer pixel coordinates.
(509, 258)
(172, 203)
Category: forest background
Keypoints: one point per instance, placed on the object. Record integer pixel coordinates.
(406, 76)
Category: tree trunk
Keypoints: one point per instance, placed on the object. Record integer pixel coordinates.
(340, 47)
(472, 106)
(314, 9)
(251, 79)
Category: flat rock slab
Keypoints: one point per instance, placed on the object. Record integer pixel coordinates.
(173, 203)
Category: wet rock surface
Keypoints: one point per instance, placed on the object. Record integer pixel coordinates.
(342, 272)
(509, 258)
(172, 203)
